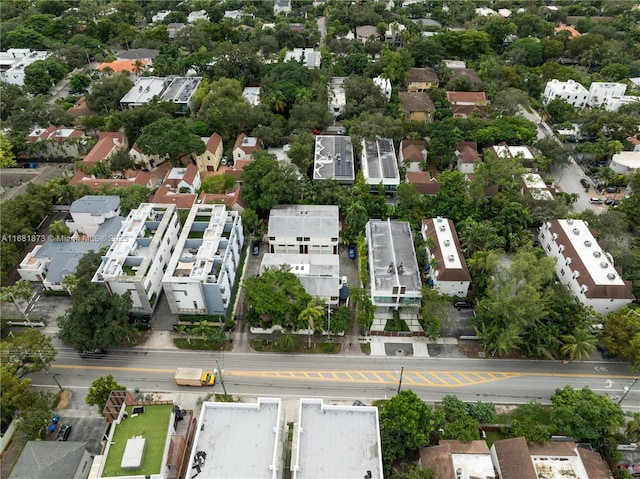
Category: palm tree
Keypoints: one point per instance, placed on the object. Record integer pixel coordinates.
(70, 283)
(633, 428)
(508, 340)
(578, 345)
(312, 315)
(277, 102)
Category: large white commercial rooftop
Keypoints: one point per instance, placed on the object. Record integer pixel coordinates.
(336, 442)
(334, 159)
(379, 162)
(237, 441)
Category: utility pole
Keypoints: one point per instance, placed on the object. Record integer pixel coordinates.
(400, 383)
(627, 390)
(221, 378)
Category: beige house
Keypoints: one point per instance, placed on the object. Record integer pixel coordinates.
(421, 79)
(417, 104)
(212, 156)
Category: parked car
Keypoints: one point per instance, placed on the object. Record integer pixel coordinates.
(96, 353)
(612, 189)
(255, 249)
(63, 433)
(595, 201)
(352, 252)
(584, 182)
(609, 201)
(463, 305)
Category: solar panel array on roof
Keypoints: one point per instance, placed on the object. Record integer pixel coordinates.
(373, 165)
(333, 158)
(387, 158)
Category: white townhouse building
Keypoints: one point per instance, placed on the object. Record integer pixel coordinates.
(446, 267)
(304, 229)
(333, 159)
(570, 91)
(91, 211)
(139, 254)
(583, 266)
(602, 93)
(202, 271)
(380, 164)
(394, 274)
(14, 61)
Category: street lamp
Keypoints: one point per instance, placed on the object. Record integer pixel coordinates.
(219, 371)
(627, 390)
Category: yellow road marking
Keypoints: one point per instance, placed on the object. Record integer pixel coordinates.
(414, 378)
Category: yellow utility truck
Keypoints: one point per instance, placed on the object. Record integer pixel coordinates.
(194, 377)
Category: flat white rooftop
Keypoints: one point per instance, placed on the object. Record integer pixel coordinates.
(337, 442)
(536, 186)
(239, 440)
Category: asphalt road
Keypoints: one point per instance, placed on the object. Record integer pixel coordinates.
(340, 377)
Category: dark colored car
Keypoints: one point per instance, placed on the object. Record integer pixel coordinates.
(584, 182)
(255, 249)
(612, 189)
(609, 201)
(462, 305)
(96, 353)
(63, 433)
(352, 252)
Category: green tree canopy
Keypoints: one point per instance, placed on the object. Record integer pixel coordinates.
(276, 297)
(170, 137)
(106, 94)
(406, 424)
(218, 184)
(100, 390)
(585, 415)
(27, 353)
(622, 335)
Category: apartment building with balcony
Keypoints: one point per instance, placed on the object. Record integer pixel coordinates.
(202, 271)
(139, 254)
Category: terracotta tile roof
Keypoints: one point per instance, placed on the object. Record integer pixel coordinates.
(477, 97)
(593, 464)
(573, 33)
(132, 177)
(247, 149)
(438, 459)
(50, 134)
(190, 174)
(514, 459)
(468, 152)
(214, 141)
(460, 447)
(468, 73)
(80, 108)
(183, 201)
(463, 111)
(236, 169)
(229, 199)
(108, 143)
(427, 75)
(120, 66)
(412, 150)
(423, 182)
(633, 140)
(416, 101)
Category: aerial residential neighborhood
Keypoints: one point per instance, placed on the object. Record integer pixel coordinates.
(319, 239)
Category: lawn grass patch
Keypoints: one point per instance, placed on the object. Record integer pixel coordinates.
(202, 345)
(269, 346)
(365, 348)
(153, 425)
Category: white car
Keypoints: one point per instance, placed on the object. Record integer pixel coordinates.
(343, 281)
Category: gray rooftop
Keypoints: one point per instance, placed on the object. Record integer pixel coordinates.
(334, 159)
(49, 460)
(240, 440)
(137, 54)
(379, 162)
(311, 221)
(66, 254)
(95, 205)
(337, 441)
(392, 254)
(318, 273)
(181, 89)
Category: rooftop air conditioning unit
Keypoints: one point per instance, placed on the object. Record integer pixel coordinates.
(587, 244)
(447, 242)
(597, 254)
(452, 257)
(611, 276)
(442, 228)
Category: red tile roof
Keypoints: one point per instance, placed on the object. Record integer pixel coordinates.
(214, 141)
(247, 149)
(229, 199)
(423, 182)
(108, 144)
(514, 459)
(50, 134)
(120, 66)
(476, 97)
(183, 201)
(412, 150)
(80, 108)
(573, 33)
(132, 177)
(235, 170)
